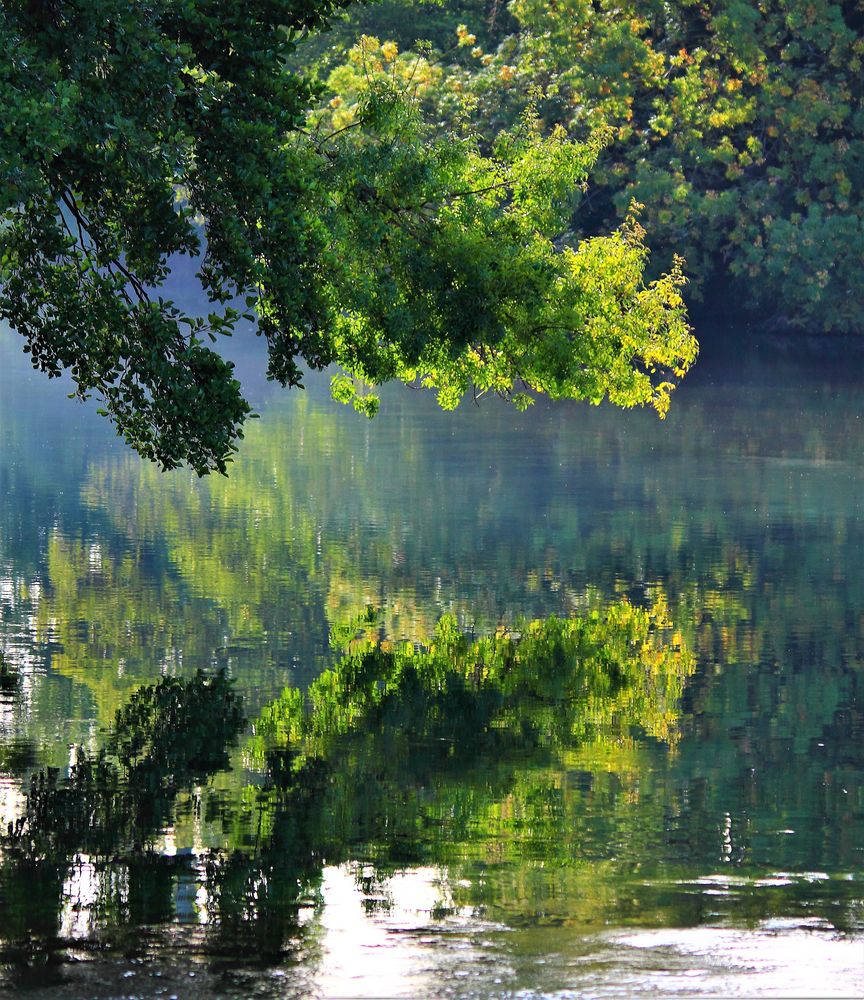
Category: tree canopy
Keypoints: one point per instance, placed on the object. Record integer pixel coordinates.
(739, 125)
(389, 245)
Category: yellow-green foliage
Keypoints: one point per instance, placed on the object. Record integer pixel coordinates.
(739, 125)
(478, 292)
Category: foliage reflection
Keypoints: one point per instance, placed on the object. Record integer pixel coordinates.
(399, 754)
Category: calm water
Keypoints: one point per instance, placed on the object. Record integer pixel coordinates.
(662, 797)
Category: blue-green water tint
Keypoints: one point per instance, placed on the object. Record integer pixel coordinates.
(703, 835)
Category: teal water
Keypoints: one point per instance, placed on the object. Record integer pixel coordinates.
(662, 797)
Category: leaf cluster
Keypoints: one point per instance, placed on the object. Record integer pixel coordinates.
(167, 737)
(550, 682)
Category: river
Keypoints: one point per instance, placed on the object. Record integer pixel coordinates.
(672, 805)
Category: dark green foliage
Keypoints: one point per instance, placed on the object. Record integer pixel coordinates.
(176, 733)
(124, 125)
(135, 132)
(739, 125)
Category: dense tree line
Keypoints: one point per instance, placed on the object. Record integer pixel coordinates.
(738, 125)
(440, 193)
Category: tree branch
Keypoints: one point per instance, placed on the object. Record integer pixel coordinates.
(82, 224)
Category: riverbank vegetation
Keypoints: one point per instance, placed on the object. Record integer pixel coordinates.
(453, 194)
(738, 125)
(402, 248)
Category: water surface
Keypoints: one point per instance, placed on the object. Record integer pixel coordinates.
(678, 811)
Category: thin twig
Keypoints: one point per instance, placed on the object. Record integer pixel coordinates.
(82, 224)
(338, 131)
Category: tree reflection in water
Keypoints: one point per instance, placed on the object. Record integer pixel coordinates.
(398, 755)
(85, 841)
